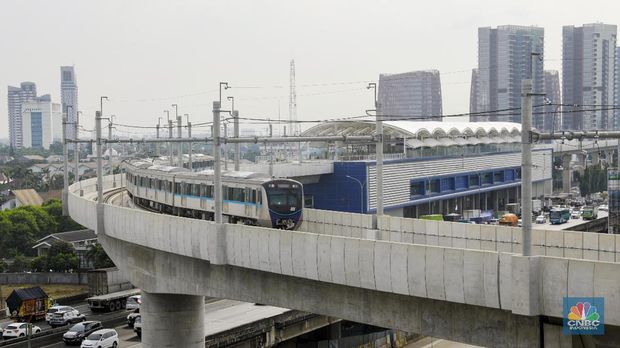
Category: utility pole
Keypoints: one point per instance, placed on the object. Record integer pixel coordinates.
(157, 147)
(235, 115)
(379, 150)
(526, 165)
(76, 146)
(225, 146)
(270, 149)
(170, 154)
(217, 165)
(189, 135)
(65, 177)
(110, 164)
(99, 173)
(180, 145)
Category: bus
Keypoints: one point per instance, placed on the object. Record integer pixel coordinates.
(559, 216)
(590, 213)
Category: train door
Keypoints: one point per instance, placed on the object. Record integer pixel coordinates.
(203, 196)
(184, 191)
(248, 199)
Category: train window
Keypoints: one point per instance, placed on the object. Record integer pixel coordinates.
(209, 191)
(177, 188)
(236, 194)
(203, 190)
(195, 190)
(253, 196)
(225, 193)
(169, 183)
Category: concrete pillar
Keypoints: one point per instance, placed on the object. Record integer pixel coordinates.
(566, 173)
(172, 320)
(581, 159)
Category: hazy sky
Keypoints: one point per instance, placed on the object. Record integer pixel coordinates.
(146, 55)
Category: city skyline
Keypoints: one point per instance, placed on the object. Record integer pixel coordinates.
(146, 63)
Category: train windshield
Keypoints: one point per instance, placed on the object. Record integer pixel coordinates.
(284, 197)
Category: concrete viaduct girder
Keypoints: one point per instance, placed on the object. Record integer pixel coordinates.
(418, 288)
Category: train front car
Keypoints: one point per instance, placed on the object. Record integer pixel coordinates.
(285, 203)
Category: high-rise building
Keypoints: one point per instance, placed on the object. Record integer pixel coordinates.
(504, 60)
(473, 92)
(616, 125)
(588, 64)
(16, 97)
(551, 119)
(69, 96)
(41, 121)
(411, 95)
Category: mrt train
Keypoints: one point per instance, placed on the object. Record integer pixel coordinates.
(248, 198)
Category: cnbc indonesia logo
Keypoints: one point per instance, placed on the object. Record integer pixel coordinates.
(584, 316)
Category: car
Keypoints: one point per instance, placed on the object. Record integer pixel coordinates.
(66, 316)
(520, 223)
(540, 219)
(54, 309)
(78, 332)
(18, 330)
(133, 302)
(104, 338)
(603, 207)
(131, 318)
(3, 326)
(137, 326)
(575, 214)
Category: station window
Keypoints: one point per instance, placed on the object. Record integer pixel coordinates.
(417, 188)
(460, 182)
(487, 178)
(447, 184)
(435, 186)
(474, 180)
(518, 174)
(498, 176)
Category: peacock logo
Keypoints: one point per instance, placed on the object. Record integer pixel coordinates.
(582, 316)
(583, 311)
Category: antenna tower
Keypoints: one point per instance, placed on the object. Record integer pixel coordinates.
(292, 103)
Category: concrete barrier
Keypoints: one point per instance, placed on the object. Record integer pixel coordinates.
(43, 278)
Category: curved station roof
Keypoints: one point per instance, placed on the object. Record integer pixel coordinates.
(428, 133)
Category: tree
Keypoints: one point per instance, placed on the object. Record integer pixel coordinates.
(39, 264)
(99, 257)
(64, 223)
(20, 264)
(61, 257)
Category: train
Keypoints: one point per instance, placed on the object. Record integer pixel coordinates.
(248, 198)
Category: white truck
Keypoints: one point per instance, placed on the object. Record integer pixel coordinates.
(536, 206)
(111, 302)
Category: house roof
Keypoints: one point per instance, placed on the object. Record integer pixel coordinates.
(16, 297)
(28, 197)
(34, 157)
(69, 237)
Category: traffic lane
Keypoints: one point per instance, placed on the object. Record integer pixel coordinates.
(54, 338)
(127, 338)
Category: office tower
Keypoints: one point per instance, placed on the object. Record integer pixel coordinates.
(552, 118)
(473, 92)
(16, 96)
(588, 64)
(69, 96)
(616, 125)
(411, 95)
(40, 122)
(504, 60)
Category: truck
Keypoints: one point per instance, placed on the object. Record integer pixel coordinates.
(509, 220)
(111, 302)
(29, 304)
(536, 206)
(471, 214)
(589, 212)
(514, 208)
(106, 280)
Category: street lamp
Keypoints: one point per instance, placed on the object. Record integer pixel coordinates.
(361, 192)
(373, 85)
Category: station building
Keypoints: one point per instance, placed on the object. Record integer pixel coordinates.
(429, 168)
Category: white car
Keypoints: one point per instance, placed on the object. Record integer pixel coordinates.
(104, 338)
(18, 330)
(133, 302)
(66, 317)
(137, 326)
(131, 318)
(603, 207)
(54, 309)
(540, 219)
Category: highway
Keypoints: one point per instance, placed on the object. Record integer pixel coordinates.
(565, 226)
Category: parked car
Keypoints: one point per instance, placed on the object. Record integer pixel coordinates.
(18, 330)
(3, 326)
(540, 219)
(104, 338)
(66, 317)
(137, 326)
(131, 318)
(78, 332)
(133, 302)
(50, 312)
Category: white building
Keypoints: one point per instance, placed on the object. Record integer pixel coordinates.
(69, 96)
(15, 97)
(40, 122)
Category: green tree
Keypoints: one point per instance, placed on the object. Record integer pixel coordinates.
(38, 264)
(20, 264)
(99, 257)
(61, 257)
(46, 223)
(3, 266)
(64, 223)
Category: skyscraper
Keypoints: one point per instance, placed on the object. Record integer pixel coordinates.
(69, 96)
(473, 92)
(16, 96)
(411, 95)
(41, 122)
(551, 119)
(504, 60)
(616, 125)
(588, 64)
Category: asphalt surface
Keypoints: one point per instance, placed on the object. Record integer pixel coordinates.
(53, 337)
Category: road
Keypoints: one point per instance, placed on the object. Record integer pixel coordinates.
(127, 338)
(429, 342)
